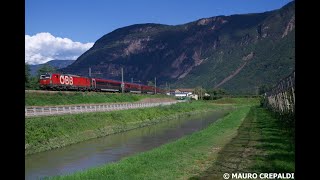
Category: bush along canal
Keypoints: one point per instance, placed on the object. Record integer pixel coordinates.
(99, 151)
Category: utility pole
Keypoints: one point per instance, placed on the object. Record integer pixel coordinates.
(166, 86)
(89, 71)
(131, 80)
(155, 85)
(122, 84)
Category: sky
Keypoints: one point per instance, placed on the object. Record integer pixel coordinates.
(64, 29)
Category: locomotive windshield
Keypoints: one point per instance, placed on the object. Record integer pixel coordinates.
(45, 76)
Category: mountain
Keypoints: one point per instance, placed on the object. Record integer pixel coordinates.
(237, 53)
(55, 63)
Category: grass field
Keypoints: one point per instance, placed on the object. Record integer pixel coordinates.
(263, 144)
(44, 99)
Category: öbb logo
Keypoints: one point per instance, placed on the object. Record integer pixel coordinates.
(66, 80)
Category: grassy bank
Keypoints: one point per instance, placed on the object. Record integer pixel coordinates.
(238, 101)
(263, 144)
(178, 160)
(59, 98)
(277, 143)
(45, 133)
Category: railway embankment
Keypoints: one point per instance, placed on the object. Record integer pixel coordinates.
(56, 98)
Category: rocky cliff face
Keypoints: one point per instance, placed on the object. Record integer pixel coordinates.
(235, 52)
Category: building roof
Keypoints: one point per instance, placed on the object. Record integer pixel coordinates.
(184, 90)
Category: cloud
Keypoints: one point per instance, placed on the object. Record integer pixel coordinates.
(44, 47)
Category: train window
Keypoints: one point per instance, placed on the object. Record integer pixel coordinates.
(45, 76)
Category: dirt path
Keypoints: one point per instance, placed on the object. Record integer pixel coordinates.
(263, 144)
(238, 154)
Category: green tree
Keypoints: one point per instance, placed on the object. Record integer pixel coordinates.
(200, 92)
(33, 81)
(215, 93)
(264, 88)
(221, 92)
(46, 68)
(26, 76)
(212, 94)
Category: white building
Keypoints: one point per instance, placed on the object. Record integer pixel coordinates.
(181, 93)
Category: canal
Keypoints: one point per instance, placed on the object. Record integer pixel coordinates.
(99, 151)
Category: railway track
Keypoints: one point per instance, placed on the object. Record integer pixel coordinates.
(64, 92)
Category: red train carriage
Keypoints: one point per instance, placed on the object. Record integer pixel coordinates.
(106, 85)
(57, 81)
(160, 91)
(147, 89)
(151, 90)
(132, 88)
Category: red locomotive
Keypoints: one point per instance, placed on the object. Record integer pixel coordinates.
(55, 81)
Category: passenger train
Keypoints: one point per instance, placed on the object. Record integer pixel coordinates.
(56, 81)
